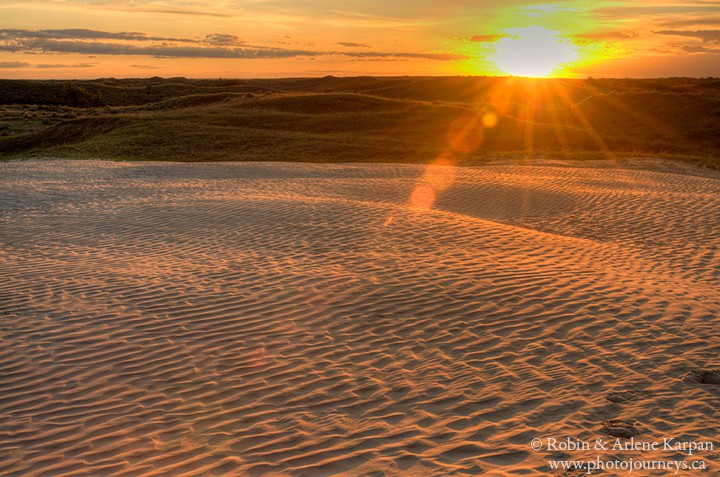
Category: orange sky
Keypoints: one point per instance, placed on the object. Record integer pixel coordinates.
(271, 38)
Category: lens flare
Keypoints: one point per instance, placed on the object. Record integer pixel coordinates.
(490, 120)
(423, 197)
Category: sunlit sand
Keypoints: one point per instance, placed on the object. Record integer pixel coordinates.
(268, 319)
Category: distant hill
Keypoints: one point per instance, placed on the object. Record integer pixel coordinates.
(361, 119)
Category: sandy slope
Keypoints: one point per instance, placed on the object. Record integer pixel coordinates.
(308, 320)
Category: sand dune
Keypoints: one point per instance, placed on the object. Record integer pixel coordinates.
(358, 320)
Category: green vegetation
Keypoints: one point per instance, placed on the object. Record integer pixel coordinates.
(360, 119)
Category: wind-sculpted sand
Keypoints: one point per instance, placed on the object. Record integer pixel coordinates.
(359, 320)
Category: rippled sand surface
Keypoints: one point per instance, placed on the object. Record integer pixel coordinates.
(358, 320)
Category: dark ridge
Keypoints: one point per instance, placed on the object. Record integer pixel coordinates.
(363, 119)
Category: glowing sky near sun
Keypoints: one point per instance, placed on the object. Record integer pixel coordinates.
(269, 38)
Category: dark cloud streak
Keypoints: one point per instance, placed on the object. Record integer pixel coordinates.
(13, 64)
(700, 49)
(76, 65)
(484, 38)
(82, 34)
(351, 44)
(425, 56)
(708, 36)
(695, 21)
(80, 41)
(608, 35)
(102, 48)
(221, 39)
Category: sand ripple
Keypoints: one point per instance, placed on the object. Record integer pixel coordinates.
(307, 320)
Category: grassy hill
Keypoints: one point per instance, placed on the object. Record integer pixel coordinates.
(360, 119)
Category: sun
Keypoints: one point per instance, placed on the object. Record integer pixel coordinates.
(533, 51)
